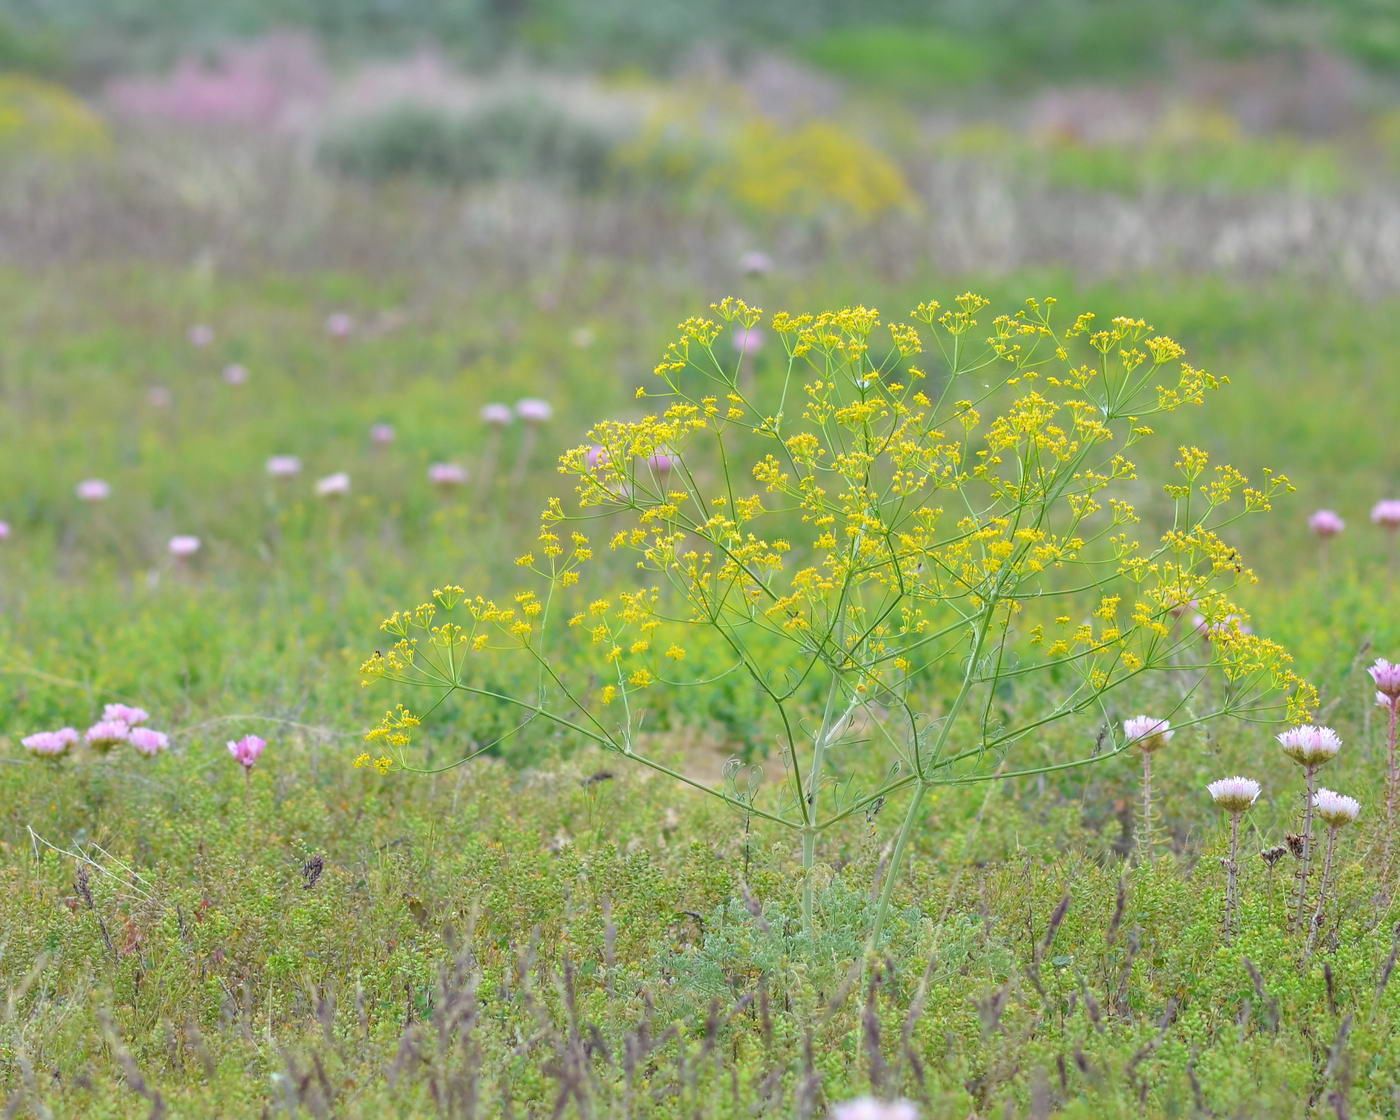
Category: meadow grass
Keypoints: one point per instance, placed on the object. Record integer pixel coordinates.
(544, 932)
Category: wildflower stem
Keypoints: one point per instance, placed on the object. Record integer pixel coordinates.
(911, 815)
(1316, 923)
(1392, 787)
(1146, 824)
(1305, 860)
(1232, 869)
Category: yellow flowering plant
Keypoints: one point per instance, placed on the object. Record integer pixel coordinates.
(885, 538)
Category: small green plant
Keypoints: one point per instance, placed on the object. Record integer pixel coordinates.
(919, 566)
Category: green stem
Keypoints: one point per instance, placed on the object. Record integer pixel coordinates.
(896, 858)
(1305, 860)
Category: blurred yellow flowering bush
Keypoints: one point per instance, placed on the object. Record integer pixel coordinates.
(914, 538)
(40, 117)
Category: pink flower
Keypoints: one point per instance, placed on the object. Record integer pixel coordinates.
(4, 530)
(235, 374)
(1386, 513)
(1386, 675)
(1310, 746)
(532, 410)
(1148, 732)
(755, 263)
(200, 334)
(660, 462)
(1336, 808)
(1325, 523)
(246, 750)
(339, 324)
(183, 547)
(596, 456)
(106, 734)
(497, 415)
(447, 475)
(868, 1108)
(158, 396)
(50, 743)
(747, 340)
(128, 715)
(381, 435)
(148, 742)
(93, 490)
(333, 485)
(1234, 795)
(284, 466)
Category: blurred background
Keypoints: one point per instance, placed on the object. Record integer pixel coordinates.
(465, 140)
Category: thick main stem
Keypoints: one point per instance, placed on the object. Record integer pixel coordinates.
(1232, 869)
(1305, 859)
(1322, 892)
(896, 858)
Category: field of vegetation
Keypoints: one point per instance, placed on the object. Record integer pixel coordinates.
(496, 623)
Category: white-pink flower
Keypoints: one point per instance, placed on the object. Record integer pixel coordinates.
(201, 334)
(339, 324)
(381, 435)
(246, 750)
(1336, 808)
(284, 466)
(333, 485)
(747, 340)
(869, 1108)
(235, 374)
(755, 263)
(50, 744)
(1326, 523)
(1148, 732)
(1386, 513)
(1386, 675)
(532, 410)
(132, 717)
(93, 490)
(147, 741)
(106, 734)
(497, 415)
(1310, 746)
(447, 475)
(183, 546)
(1234, 795)
(4, 530)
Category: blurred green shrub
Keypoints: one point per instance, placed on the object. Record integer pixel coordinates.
(900, 60)
(519, 138)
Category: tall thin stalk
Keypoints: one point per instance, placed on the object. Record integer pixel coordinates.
(1300, 907)
(1232, 871)
(1392, 789)
(1317, 917)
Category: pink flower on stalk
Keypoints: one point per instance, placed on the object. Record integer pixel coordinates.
(183, 547)
(1386, 675)
(50, 744)
(333, 485)
(1386, 514)
(497, 415)
(246, 750)
(148, 742)
(201, 334)
(755, 263)
(381, 435)
(747, 340)
(447, 475)
(106, 734)
(339, 324)
(132, 717)
(93, 490)
(532, 410)
(868, 1108)
(284, 466)
(1148, 732)
(1310, 746)
(235, 374)
(1335, 808)
(1325, 523)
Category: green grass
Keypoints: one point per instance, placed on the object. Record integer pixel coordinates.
(547, 926)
